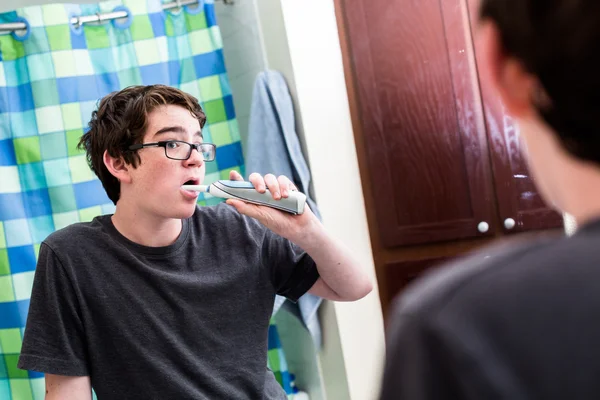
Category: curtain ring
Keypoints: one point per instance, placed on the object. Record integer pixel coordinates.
(79, 24)
(99, 16)
(178, 4)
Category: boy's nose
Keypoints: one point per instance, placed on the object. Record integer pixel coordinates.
(196, 157)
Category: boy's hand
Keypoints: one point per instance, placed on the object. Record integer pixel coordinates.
(341, 278)
(290, 226)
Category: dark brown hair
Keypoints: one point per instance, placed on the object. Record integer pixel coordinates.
(121, 120)
(558, 41)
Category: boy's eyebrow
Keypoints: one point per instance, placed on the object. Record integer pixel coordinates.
(176, 129)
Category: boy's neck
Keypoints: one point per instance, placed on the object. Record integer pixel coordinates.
(581, 193)
(144, 229)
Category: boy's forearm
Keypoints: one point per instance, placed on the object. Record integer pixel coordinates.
(338, 270)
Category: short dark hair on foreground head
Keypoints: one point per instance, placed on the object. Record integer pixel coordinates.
(558, 41)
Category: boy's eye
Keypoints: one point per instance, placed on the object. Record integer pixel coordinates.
(172, 145)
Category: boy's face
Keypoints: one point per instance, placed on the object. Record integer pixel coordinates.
(156, 182)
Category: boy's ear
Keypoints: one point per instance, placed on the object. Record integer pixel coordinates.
(117, 167)
(509, 77)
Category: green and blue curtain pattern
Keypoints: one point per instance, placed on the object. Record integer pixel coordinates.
(51, 78)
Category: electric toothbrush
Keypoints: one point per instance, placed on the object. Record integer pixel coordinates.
(242, 190)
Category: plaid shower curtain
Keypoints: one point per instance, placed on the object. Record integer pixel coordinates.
(50, 81)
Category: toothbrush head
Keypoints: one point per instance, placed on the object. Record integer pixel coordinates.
(195, 188)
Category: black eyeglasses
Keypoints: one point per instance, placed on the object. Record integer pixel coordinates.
(180, 150)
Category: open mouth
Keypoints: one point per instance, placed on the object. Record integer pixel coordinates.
(191, 193)
(192, 182)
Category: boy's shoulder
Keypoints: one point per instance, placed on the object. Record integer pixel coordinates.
(78, 232)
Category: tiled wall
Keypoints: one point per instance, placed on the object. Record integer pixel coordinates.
(244, 55)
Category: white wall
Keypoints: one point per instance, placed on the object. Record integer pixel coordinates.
(316, 69)
(284, 43)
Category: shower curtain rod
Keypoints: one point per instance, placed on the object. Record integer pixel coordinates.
(101, 17)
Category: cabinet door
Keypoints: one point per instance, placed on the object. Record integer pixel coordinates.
(421, 118)
(520, 206)
(398, 275)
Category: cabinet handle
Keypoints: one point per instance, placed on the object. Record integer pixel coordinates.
(483, 227)
(509, 223)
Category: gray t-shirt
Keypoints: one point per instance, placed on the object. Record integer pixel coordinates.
(185, 321)
(515, 322)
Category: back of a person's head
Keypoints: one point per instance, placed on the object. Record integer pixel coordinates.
(558, 41)
(121, 120)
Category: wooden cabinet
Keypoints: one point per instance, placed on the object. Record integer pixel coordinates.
(421, 118)
(440, 160)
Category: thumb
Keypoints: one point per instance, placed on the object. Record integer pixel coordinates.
(235, 176)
